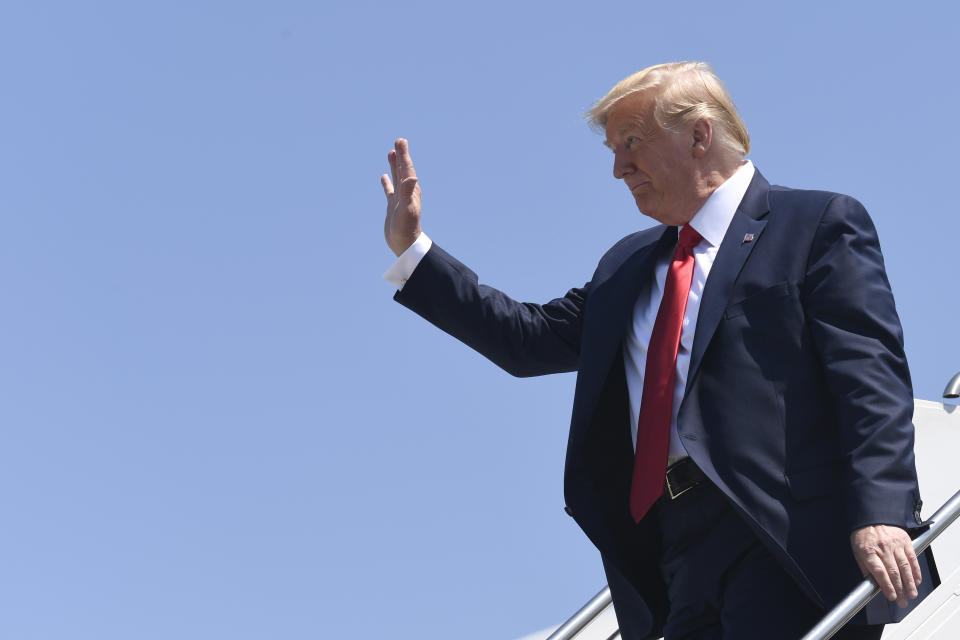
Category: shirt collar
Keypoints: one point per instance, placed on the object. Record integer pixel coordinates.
(713, 218)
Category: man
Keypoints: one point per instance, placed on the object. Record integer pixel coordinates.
(741, 446)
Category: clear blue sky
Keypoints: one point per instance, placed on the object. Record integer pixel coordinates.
(217, 424)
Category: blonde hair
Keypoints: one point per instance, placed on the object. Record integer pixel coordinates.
(687, 92)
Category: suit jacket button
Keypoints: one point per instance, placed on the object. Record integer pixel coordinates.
(568, 510)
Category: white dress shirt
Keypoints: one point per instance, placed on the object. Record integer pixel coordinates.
(711, 222)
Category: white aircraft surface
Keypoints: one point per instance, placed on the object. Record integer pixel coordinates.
(938, 617)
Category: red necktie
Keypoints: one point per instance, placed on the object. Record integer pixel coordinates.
(656, 404)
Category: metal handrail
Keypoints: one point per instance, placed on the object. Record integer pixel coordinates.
(582, 618)
(866, 590)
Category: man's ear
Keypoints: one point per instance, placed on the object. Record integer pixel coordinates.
(702, 137)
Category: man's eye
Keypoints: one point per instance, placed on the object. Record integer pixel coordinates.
(632, 140)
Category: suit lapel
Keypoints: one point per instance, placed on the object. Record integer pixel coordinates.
(613, 295)
(741, 237)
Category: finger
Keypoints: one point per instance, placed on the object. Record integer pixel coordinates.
(407, 187)
(906, 573)
(892, 570)
(404, 161)
(914, 565)
(387, 185)
(392, 161)
(878, 572)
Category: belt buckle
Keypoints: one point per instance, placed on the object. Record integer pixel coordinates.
(676, 494)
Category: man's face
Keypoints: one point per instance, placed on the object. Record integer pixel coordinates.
(658, 166)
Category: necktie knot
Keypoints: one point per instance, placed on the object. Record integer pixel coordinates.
(689, 238)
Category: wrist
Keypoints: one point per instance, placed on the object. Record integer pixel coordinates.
(399, 245)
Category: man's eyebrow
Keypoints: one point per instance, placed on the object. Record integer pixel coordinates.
(628, 128)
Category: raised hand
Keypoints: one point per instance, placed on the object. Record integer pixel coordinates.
(402, 224)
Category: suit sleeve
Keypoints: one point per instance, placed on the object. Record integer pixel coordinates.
(524, 339)
(857, 334)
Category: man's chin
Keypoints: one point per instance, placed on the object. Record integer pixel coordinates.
(670, 221)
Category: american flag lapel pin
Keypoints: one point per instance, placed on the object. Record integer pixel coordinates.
(748, 238)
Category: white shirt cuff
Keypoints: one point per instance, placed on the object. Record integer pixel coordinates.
(401, 270)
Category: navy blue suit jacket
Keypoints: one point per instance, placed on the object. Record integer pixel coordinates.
(798, 402)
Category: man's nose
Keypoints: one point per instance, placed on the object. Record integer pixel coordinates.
(622, 166)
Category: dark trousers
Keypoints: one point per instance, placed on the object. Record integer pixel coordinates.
(723, 583)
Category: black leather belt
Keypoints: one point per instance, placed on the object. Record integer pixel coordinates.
(682, 476)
